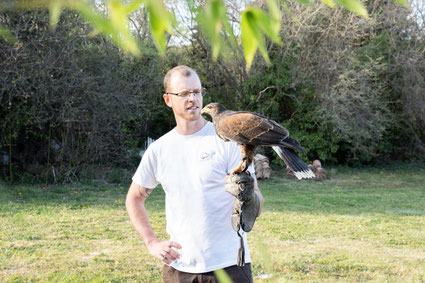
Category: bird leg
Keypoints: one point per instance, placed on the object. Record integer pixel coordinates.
(245, 163)
(247, 154)
(242, 167)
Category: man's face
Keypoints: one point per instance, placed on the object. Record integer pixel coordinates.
(189, 107)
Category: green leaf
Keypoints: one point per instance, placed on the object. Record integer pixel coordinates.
(133, 6)
(118, 17)
(355, 6)
(268, 26)
(117, 30)
(95, 18)
(275, 17)
(215, 24)
(254, 23)
(212, 20)
(404, 3)
(305, 2)
(222, 276)
(217, 16)
(55, 9)
(252, 38)
(7, 35)
(249, 41)
(330, 3)
(161, 21)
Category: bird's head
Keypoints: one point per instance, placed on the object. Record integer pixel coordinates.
(213, 109)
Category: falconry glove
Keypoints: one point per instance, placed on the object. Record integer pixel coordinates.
(245, 207)
(246, 203)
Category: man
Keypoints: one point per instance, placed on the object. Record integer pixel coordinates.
(191, 163)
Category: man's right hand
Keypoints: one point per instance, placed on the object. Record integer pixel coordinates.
(163, 250)
(135, 203)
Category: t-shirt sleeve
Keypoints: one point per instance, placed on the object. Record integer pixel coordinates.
(145, 173)
(234, 158)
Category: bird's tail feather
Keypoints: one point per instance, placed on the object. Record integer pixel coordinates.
(293, 161)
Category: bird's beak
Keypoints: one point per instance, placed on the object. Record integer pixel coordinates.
(204, 110)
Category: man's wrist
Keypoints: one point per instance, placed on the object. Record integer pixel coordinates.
(151, 242)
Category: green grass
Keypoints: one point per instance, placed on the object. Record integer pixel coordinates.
(360, 225)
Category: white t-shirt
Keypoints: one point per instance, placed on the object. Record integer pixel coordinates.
(191, 170)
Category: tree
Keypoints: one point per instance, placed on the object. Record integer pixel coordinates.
(67, 100)
(346, 91)
(255, 23)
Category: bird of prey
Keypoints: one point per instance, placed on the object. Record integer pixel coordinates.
(250, 130)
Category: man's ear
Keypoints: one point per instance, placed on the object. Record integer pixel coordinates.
(167, 100)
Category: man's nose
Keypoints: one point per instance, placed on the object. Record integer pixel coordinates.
(191, 96)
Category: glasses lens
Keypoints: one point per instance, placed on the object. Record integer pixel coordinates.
(196, 93)
(183, 93)
(186, 93)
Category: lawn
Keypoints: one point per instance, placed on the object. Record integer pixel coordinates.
(360, 225)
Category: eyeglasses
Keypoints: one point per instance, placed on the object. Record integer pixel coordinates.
(185, 94)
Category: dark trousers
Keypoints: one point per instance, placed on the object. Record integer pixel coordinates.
(238, 274)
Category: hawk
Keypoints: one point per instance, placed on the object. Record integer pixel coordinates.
(250, 130)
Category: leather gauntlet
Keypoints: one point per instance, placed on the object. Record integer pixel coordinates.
(245, 207)
(246, 204)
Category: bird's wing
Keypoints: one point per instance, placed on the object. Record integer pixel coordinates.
(250, 128)
(294, 144)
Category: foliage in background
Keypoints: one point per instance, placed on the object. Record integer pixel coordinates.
(68, 100)
(254, 22)
(350, 90)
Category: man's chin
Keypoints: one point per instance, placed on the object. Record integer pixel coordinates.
(193, 116)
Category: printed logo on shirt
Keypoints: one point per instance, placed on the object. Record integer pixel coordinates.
(208, 155)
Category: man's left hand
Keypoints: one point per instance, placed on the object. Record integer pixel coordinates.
(247, 204)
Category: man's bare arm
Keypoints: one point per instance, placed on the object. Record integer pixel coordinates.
(135, 204)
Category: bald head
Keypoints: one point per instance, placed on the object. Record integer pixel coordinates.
(181, 70)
